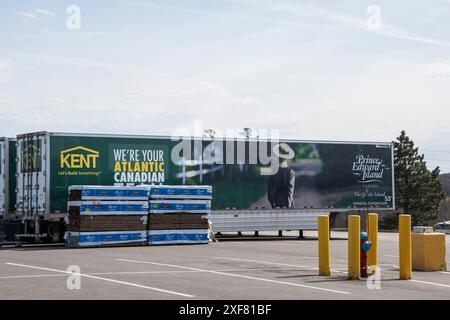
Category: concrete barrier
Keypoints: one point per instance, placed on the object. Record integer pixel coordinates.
(428, 252)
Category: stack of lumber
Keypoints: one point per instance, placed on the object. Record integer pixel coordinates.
(107, 215)
(177, 221)
(179, 214)
(89, 216)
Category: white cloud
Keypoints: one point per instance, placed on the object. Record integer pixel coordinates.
(438, 69)
(76, 62)
(7, 72)
(172, 94)
(161, 5)
(294, 8)
(92, 34)
(386, 29)
(28, 15)
(391, 32)
(44, 12)
(129, 101)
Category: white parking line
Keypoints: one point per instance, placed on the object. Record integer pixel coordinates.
(179, 271)
(431, 283)
(266, 262)
(390, 265)
(236, 275)
(276, 263)
(397, 267)
(420, 281)
(34, 276)
(93, 274)
(135, 273)
(104, 279)
(233, 242)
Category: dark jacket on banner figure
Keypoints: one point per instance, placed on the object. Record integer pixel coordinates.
(281, 185)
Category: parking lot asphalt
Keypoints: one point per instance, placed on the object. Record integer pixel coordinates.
(265, 267)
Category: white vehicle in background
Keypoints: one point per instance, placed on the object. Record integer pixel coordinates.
(443, 227)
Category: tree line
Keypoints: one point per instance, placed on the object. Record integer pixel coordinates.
(418, 190)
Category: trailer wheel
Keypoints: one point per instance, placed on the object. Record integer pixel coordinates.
(71, 243)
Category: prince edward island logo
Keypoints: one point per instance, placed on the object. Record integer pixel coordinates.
(368, 169)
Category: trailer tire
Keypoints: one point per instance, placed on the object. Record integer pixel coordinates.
(71, 243)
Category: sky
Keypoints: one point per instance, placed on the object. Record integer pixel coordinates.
(322, 70)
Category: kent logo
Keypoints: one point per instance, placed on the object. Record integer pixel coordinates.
(79, 158)
(31, 157)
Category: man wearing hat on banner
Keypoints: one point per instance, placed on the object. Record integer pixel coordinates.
(281, 184)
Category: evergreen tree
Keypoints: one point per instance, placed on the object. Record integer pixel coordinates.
(418, 191)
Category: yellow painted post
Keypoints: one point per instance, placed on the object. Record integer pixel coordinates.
(405, 246)
(372, 232)
(324, 245)
(354, 262)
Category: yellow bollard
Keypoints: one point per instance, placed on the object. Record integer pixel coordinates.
(324, 245)
(404, 222)
(354, 235)
(372, 232)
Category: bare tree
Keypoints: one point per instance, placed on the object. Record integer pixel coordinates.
(209, 133)
(248, 133)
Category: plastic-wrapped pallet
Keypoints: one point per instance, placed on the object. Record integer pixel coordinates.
(105, 238)
(192, 236)
(174, 206)
(181, 192)
(107, 215)
(126, 193)
(115, 208)
(179, 214)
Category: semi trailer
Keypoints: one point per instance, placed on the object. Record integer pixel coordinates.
(7, 176)
(247, 176)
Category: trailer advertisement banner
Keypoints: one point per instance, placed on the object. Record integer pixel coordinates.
(242, 173)
(3, 182)
(136, 164)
